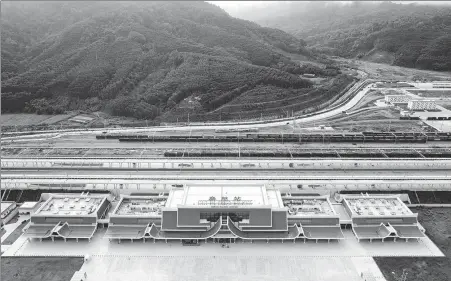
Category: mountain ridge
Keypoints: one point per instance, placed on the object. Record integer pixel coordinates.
(410, 35)
(139, 59)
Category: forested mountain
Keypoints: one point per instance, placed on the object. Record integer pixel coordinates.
(410, 35)
(138, 59)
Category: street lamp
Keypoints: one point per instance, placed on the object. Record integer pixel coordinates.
(403, 276)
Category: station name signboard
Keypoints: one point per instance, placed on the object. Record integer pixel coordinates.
(224, 203)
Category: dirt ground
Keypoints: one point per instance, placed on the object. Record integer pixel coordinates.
(31, 119)
(390, 72)
(380, 125)
(39, 268)
(368, 100)
(446, 105)
(432, 93)
(437, 222)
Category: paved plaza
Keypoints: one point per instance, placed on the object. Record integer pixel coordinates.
(349, 247)
(218, 268)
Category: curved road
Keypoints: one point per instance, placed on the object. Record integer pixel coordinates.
(327, 113)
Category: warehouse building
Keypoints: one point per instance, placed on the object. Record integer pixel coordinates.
(397, 99)
(203, 213)
(421, 105)
(382, 217)
(441, 84)
(67, 216)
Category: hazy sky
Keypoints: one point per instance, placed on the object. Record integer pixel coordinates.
(230, 6)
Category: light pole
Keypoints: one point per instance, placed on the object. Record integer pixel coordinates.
(403, 276)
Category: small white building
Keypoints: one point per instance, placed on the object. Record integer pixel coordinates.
(28, 208)
(397, 98)
(421, 105)
(404, 113)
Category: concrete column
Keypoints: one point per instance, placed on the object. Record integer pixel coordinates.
(166, 240)
(267, 241)
(282, 241)
(77, 240)
(53, 240)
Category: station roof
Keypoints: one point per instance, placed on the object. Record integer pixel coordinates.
(376, 206)
(140, 205)
(309, 206)
(208, 196)
(71, 205)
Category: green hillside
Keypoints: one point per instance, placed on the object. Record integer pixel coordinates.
(140, 59)
(416, 36)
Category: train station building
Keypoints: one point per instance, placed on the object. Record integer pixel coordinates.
(67, 216)
(214, 213)
(382, 218)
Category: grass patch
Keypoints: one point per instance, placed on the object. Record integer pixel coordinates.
(437, 222)
(39, 268)
(2, 231)
(15, 234)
